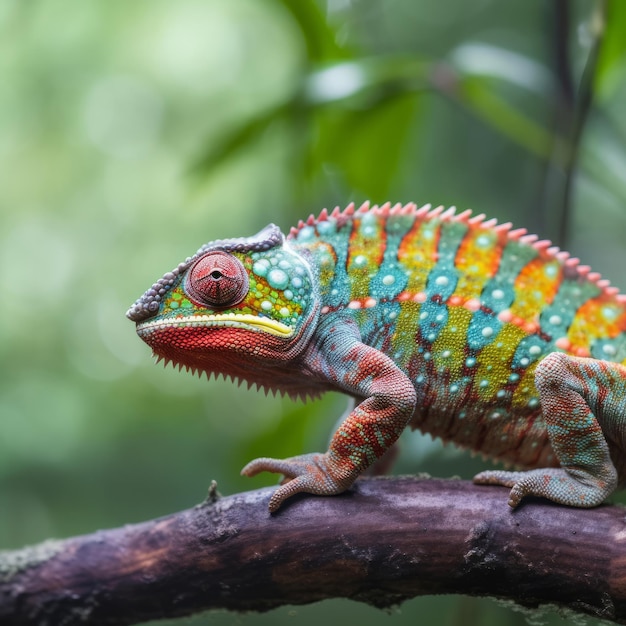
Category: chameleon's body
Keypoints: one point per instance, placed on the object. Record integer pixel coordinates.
(464, 329)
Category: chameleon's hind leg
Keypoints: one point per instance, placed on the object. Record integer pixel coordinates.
(584, 407)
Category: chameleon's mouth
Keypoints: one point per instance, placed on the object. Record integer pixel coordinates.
(246, 321)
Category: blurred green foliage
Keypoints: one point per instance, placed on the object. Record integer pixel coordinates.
(131, 133)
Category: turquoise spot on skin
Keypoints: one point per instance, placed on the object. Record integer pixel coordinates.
(498, 294)
(326, 228)
(528, 351)
(482, 330)
(296, 282)
(306, 233)
(442, 282)
(261, 267)
(266, 305)
(277, 278)
(288, 294)
(610, 349)
(556, 318)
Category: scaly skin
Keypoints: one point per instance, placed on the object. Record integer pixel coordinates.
(465, 329)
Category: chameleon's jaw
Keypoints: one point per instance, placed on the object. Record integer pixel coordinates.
(208, 322)
(254, 349)
(237, 344)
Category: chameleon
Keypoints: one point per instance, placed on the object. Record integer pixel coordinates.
(453, 324)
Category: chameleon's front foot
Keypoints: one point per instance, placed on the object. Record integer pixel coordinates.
(571, 487)
(309, 473)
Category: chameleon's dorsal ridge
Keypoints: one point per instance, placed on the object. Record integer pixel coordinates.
(426, 212)
(470, 330)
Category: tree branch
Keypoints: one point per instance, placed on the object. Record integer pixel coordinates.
(384, 541)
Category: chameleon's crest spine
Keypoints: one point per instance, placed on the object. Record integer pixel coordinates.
(544, 246)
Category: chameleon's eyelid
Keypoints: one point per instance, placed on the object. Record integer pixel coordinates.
(217, 279)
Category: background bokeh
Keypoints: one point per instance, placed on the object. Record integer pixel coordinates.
(133, 132)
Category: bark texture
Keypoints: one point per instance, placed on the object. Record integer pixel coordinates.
(386, 540)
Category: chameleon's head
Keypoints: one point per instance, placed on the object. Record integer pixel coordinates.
(235, 304)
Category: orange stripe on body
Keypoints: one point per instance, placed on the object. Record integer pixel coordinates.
(535, 287)
(366, 249)
(418, 253)
(599, 318)
(478, 259)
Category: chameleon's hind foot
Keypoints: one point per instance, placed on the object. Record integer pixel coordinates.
(572, 487)
(309, 473)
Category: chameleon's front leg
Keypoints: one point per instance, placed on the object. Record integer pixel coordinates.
(366, 433)
(584, 405)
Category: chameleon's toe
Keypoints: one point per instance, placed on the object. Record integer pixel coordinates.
(569, 487)
(308, 473)
(504, 479)
(498, 477)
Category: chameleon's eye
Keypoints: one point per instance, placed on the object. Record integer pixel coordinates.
(217, 279)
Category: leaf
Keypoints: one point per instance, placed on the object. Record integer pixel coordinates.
(319, 37)
(481, 59)
(613, 50)
(366, 145)
(239, 138)
(479, 96)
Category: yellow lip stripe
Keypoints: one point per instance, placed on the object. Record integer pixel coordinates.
(241, 321)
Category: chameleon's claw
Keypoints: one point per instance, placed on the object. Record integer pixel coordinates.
(308, 473)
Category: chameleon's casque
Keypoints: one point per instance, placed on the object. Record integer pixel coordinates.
(462, 328)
